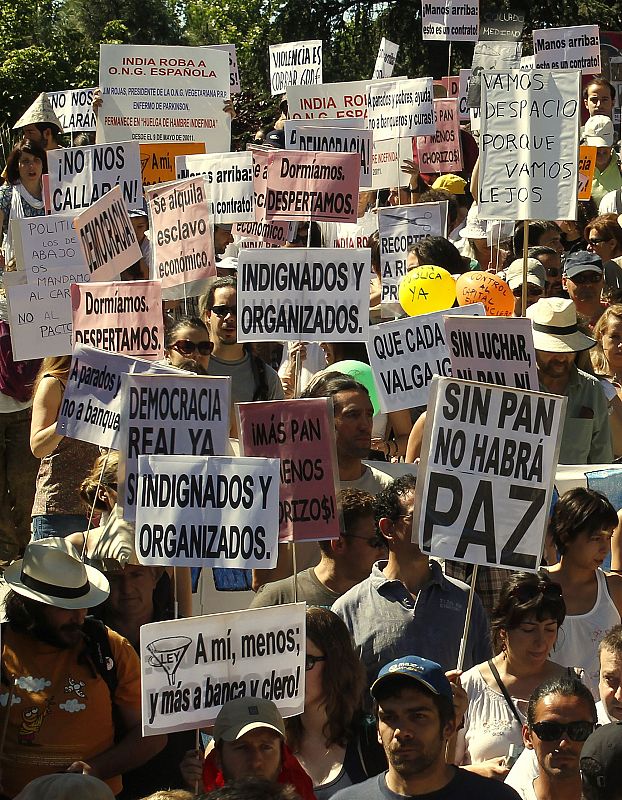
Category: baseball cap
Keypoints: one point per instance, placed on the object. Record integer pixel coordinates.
(536, 274)
(428, 673)
(245, 714)
(601, 758)
(450, 183)
(275, 138)
(598, 131)
(582, 261)
(137, 212)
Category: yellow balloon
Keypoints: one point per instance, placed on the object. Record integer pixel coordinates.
(426, 289)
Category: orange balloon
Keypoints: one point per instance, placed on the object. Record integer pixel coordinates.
(486, 288)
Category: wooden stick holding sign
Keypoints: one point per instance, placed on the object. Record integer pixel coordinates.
(467, 620)
(523, 304)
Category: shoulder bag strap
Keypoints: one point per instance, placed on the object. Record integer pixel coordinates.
(505, 692)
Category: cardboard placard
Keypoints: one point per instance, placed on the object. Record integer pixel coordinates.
(328, 100)
(587, 165)
(45, 244)
(303, 294)
(387, 155)
(158, 161)
(215, 511)
(191, 667)
(442, 152)
(229, 183)
(464, 78)
(302, 434)
(295, 64)
(385, 60)
(402, 108)
(270, 232)
(292, 125)
(486, 475)
(500, 24)
(74, 109)
(39, 318)
(234, 73)
(492, 56)
(334, 140)
(577, 47)
(450, 21)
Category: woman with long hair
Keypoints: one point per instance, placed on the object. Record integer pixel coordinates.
(607, 363)
(187, 345)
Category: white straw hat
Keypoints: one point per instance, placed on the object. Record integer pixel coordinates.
(555, 330)
(40, 111)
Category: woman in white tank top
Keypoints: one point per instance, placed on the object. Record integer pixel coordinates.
(581, 528)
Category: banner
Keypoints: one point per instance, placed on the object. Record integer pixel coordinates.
(302, 434)
(39, 318)
(486, 474)
(399, 228)
(43, 244)
(123, 317)
(229, 183)
(494, 57)
(385, 60)
(442, 152)
(191, 667)
(295, 64)
(182, 244)
(193, 511)
(329, 100)
(313, 186)
(303, 294)
(405, 354)
(234, 73)
(153, 93)
(91, 405)
(79, 176)
(107, 237)
(577, 47)
(501, 25)
(74, 109)
(169, 415)
(158, 161)
(450, 21)
(528, 145)
(334, 140)
(587, 165)
(402, 108)
(490, 350)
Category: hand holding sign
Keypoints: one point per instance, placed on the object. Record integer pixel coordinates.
(426, 289)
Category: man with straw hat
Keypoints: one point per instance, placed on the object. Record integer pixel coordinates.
(63, 674)
(586, 438)
(40, 124)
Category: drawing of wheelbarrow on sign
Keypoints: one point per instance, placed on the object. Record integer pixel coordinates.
(167, 654)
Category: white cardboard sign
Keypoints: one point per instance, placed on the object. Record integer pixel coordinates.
(228, 180)
(385, 60)
(334, 140)
(295, 64)
(401, 108)
(450, 21)
(568, 48)
(44, 244)
(74, 109)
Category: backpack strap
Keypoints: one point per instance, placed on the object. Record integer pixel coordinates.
(99, 652)
(259, 377)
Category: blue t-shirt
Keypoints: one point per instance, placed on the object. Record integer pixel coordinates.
(464, 785)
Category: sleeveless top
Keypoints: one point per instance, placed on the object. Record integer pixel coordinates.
(60, 475)
(580, 635)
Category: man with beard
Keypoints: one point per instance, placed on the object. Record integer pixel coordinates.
(63, 674)
(586, 437)
(415, 718)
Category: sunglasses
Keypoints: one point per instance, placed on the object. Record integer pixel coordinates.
(222, 311)
(377, 542)
(587, 277)
(531, 292)
(526, 593)
(187, 348)
(554, 731)
(597, 241)
(311, 661)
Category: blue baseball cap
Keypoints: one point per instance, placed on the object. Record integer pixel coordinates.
(428, 673)
(582, 261)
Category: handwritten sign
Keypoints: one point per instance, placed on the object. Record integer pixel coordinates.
(295, 64)
(442, 151)
(74, 109)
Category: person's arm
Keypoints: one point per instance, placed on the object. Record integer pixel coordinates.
(415, 439)
(132, 751)
(616, 546)
(614, 584)
(45, 407)
(601, 449)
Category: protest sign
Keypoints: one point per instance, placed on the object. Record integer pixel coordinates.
(271, 232)
(385, 60)
(39, 318)
(406, 353)
(313, 186)
(192, 667)
(577, 47)
(292, 125)
(234, 73)
(401, 108)
(400, 227)
(352, 235)
(500, 24)
(229, 183)
(450, 21)
(587, 165)
(486, 350)
(153, 93)
(74, 109)
(464, 78)
(334, 140)
(385, 159)
(158, 161)
(107, 237)
(303, 294)
(492, 56)
(302, 434)
(169, 415)
(528, 145)
(44, 244)
(182, 244)
(79, 176)
(485, 479)
(528, 62)
(123, 317)
(91, 405)
(348, 99)
(194, 511)
(442, 151)
(295, 64)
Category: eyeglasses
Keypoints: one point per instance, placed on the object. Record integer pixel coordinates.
(526, 593)
(553, 731)
(187, 348)
(222, 311)
(377, 542)
(586, 277)
(311, 661)
(532, 291)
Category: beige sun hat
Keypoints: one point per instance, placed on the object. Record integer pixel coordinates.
(40, 111)
(555, 330)
(66, 786)
(245, 714)
(52, 573)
